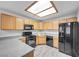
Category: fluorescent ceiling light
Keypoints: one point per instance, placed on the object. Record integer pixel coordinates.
(42, 8)
(47, 12)
(39, 6)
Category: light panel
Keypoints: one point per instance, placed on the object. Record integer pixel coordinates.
(39, 6)
(47, 12)
(42, 8)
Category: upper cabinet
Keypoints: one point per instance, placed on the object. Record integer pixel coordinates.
(19, 24)
(73, 19)
(48, 25)
(27, 21)
(55, 24)
(63, 21)
(66, 20)
(40, 25)
(0, 21)
(32, 22)
(8, 22)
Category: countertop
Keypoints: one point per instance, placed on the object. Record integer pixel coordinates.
(13, 47)
(8, 33)
(45, 33)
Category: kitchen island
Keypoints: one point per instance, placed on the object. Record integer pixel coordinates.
(11, 46)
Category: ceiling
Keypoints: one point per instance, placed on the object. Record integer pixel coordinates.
(18, 7)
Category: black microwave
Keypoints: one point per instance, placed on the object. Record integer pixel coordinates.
(28, 27)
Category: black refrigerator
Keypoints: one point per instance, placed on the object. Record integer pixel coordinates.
(69, 38)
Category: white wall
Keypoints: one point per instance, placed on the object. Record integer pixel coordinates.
(78, 15)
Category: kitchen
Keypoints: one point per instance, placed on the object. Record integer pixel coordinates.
(26, 34)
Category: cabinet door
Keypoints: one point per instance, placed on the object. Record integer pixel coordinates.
(23, 39)
(19, 24)
(46, 25)
(55, 42)
(41, 40)
(0, 21)
(50, 25)
(27, 21)
(63, 21)
(73, 19)
(55, 25)
(40, 25)
(8, 22)
(35, 24)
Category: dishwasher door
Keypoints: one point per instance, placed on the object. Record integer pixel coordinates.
(49, 41)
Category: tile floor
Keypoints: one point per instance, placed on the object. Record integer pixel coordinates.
(47, 51)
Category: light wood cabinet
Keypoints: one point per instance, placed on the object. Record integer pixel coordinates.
(19, 24)
(35, 24)
(73, 19)
(40, 40)
(30, 54)
(63, 21)
(8, 22)
(26, 21)
(47, 25)
(0, 21)
(23, 39)
(55, 25)
(32, 22)
(40, 26)
(51, 25)
(66, 20)
(55, 42)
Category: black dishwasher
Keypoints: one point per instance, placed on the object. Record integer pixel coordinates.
(49, 41)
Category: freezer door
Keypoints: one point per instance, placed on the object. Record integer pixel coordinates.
(61, 37)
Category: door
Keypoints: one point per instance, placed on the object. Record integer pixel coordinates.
(8, 22)
(68, 38)
(76, 39)
(49, 40)
(61, 37)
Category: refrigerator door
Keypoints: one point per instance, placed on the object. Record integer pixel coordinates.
(76, 39)
(61, 37)
(68, 39)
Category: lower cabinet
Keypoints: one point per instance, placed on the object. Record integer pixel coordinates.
(55, 42)
(23, 39)
(40, 40)
(30, 54)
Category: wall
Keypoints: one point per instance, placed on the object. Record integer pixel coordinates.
(78, 15)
